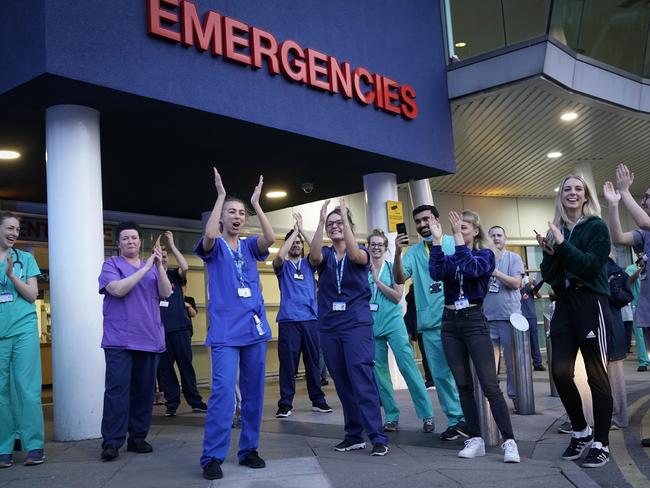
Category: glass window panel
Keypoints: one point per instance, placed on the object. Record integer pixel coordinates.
(478, 24)
(525, 19)
(565, 22)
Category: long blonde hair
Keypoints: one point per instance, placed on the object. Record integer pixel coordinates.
(591, 207)
(473, 218)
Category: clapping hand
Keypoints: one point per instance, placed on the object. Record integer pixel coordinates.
(255, 197)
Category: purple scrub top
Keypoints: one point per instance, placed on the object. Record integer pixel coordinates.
(133, 321)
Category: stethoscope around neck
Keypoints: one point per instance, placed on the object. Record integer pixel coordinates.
(16, 261)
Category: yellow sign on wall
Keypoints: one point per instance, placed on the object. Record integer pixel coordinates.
(395, 214)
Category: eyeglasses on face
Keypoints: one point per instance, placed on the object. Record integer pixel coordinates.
(376, 244)
(337, 223)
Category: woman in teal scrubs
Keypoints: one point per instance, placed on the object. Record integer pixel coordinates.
(389, 330)
(20, 353)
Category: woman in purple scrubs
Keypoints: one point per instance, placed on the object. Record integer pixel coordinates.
(132, 341)
(345, 324)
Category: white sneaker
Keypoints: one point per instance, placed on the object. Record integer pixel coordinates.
(474, 446)
(510, 451)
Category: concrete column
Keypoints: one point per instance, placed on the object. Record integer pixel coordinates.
(584, 169)
(76, 253)
(420, 193)
(379, 188)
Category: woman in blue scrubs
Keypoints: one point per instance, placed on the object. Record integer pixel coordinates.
(20, 350)
(238, 332)
(345, 324)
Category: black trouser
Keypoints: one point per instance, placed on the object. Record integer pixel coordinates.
(581, 321)
(465, 335)
(179, 351)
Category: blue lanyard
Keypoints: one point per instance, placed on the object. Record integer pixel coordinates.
(294, 265)
(339, 271)
(238, 259)
(459, 276)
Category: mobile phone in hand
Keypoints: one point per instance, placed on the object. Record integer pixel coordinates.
(401, 229)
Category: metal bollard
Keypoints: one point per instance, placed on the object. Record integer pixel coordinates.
(549, 355)
(524, 390)
(489, 429)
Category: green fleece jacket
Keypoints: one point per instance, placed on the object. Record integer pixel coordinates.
(581, 257)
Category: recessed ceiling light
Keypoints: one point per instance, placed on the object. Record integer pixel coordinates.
(569, 116)
(554, 154)
(7, 154)
(276, 194)
(556, 189)
(460, 44)
(268, 263)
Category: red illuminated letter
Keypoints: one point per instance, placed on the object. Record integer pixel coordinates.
(269, 50)
(234, 43)
(409, 107)
(368, 97)
(391, 93)
(206, 35)
(316, 69)
(340, 76)
(293, 69)
(156, 14)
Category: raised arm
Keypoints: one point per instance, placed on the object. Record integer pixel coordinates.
(355, 254)
(315, 251)
(121, 288)
(401, 241)
(305, 236)
(393, 293)
(183, 267)
(28, 290)
(164, 285)
(212, 227)
(624, 179)
(613, 197)
(279, 258)
(267, 238)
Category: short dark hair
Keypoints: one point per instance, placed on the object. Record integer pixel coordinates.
(497, 227)
(6, 214)
(424, 208)
(289, 235)
(127, 225)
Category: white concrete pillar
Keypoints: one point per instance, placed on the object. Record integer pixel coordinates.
(420, 192)
(379, 188)
(76, 253)
(584, 169)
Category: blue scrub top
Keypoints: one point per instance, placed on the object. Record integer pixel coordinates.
(355, 293)
(232, 318)
(297, 297)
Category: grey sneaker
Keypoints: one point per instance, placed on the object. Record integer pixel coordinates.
(6, 461)
(391, 426)
(427, 426)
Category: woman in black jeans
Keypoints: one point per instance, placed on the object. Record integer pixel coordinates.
(465, 333)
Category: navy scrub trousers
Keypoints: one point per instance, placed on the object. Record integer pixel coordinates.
(350, 355)
(128, 397)
(294, 338)
(179, 350)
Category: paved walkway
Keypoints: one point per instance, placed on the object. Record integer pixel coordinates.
(299, 453)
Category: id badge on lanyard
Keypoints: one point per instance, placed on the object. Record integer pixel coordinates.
(243, 291)
(461, 302)
(6, 297)
(297, 275)
(339, 306)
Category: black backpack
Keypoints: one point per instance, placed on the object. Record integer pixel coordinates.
(620, 293)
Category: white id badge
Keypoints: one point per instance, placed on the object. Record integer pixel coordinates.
(461, 303)
(6, 297)
(374, 307)
(244, 292)
(164, 303)
(297, 276)
(338, 306)
(494, 286)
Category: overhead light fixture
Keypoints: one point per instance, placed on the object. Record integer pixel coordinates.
(569, 116)
(554, 154)
(8, 154)
(276, 194)
(268, 263)
(556, 189)
(460, 44)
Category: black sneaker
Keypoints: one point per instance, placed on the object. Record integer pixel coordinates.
(577, 447)
(203, 408)
(645, 442)
(640, 369)
(109, 453)
(170, 412)
(212, 470)
(539, 367)
(596, 458)
(379, 450)
(349, 446)
(283, 411)
(321, 407)
(454, 432)
(140, 447)
(324, 382)
(253, 460)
